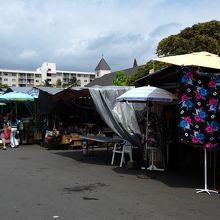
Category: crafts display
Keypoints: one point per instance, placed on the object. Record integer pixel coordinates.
(199, 109)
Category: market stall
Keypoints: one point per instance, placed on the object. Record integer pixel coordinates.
(153, 134)
(199, 81)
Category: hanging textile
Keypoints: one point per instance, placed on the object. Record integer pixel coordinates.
(199, 108)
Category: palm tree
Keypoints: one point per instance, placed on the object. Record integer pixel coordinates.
(58, 83)
(73, 82)
(46, 83)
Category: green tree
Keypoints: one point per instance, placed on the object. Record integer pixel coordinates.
(120, 79)
(148, 67)
(46, 83)
(200, 37)
(59, 83)
(74, 82)
(4, 86)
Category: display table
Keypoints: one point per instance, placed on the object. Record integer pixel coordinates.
(73, 140)
(100, 138)
(65, 139)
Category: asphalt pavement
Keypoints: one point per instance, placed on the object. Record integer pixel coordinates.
(37, 184)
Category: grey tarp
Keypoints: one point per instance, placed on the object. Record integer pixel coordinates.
(120, 117)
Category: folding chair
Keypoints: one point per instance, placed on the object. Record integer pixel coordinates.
(122, 148)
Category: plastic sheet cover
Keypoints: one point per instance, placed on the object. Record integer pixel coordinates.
(121, 117)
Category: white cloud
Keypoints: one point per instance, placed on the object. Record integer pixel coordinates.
(28, 55)
(75, 33)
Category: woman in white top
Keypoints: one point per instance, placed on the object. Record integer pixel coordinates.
(13, 124)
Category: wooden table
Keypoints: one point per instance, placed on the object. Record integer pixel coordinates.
(73, 140)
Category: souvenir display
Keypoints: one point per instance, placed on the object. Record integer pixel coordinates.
(199, 108)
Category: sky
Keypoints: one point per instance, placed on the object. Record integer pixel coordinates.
(75, 34)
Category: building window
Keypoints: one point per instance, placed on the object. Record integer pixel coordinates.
(85, 80)
(37, 81)
(5, 79)
(5, 74)
(13, 80)
(13, 74)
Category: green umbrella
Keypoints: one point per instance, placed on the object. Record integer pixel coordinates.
(16, 97)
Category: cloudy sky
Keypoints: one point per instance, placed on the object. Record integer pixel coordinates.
(75, 33)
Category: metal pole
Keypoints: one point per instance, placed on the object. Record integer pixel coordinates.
(205, 167)
(205, 176)
(146, 137)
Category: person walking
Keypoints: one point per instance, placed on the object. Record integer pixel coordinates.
(13, 126)
(4, 135)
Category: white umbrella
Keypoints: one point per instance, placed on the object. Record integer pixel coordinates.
(203, 59)
(148, 94)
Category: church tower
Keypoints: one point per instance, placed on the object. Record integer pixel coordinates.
(102, 68)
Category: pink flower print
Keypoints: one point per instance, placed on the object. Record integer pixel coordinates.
(188, 119)
(209, 129)
(185, 97)
(198, 96)
(209, 145)
(195, 140)
(212, 84)
(197, 118)
(212, 101)
(190, 75)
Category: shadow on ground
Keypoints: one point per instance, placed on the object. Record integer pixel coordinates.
(98, 156)
(179, 177)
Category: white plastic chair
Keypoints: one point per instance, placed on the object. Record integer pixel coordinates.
(122, 148)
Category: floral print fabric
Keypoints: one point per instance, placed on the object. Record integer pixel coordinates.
(199, 105)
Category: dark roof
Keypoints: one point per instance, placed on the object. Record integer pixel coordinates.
(169, 77)
(163, 78)
(107, 79)
(102, 65)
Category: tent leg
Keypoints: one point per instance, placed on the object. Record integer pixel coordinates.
(152, 166)
(205, 176)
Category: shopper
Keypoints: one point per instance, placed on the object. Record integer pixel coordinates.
(4, 134)
(13, 126)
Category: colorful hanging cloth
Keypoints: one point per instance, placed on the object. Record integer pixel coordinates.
(199, 109)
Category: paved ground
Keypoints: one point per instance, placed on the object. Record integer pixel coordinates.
(37, 183)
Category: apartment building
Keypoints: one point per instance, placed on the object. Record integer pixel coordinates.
(47, 71)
